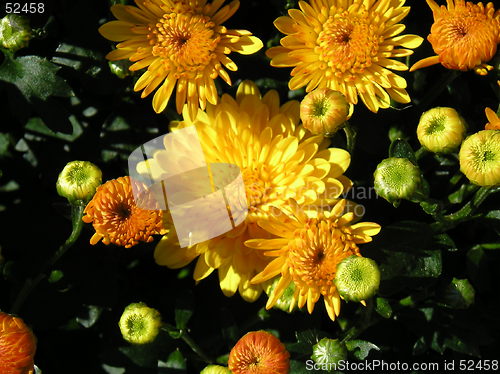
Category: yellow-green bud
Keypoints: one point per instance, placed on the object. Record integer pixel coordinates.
(215, 369)
(357, 278)
(120, 68)
(79, 181)
(329, 352)
(15, 32)
(324, 111)
(441, 130)
(397, 178)
(479, 158)
(140, 324)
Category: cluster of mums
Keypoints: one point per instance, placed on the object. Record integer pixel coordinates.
(300, 238)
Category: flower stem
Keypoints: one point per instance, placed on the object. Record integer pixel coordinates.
(182, 334)
(350, 135)
(420, 153)
(438, 88)
(31, 283)
(365, 321)
(465, 213)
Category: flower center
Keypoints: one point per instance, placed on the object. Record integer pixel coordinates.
(314, 254)
(185, 41)
(320, 107)
(348, 44)
(255, 188)
(436, 125)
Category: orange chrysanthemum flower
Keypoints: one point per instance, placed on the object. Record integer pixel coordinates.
(493, 120)
(116, 217)
(309, 247)
(464, 36)
(347, 46)
(17, 346)
(181, 43)
(259, 352)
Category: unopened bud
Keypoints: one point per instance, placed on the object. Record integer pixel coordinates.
(324, 111)
(329, 352)
(357, 278)
(17, 345)
(441, 130)
(140, 324)
(215, 369)
(15, 32)
(397, 178)
(79, 181)
(479, 158)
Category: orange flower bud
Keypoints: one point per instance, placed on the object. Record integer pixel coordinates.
(259, 352)
(17, 346)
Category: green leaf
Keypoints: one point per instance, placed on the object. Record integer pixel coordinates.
(405, 236)
(5, 143)
(462, 193)
(175, 360)
(360, 348)
(143, 355)
(90, 317)
(55, 276)
(75, 57)
(445, 241)
(301, 367)
(37, 125)
(402, 149)
(183, 310)
(383, 307)
(425, 265)
(35, 77)
(458, 294)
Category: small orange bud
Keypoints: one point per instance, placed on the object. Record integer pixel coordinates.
(259, 352)
(17, 346)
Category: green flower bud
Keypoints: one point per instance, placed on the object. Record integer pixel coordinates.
(441, 130)
(120, 68)
(285, 301)
(15, 32)
(79, 181)
(140, 324)
(329, 352)
(215, 369)
(459, 294)
(357, 278)
(397, 178)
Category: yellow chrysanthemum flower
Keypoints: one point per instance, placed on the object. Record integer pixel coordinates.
(309, 247)
(347, 46)
(278, 159)
(464, 36)
(182, 43)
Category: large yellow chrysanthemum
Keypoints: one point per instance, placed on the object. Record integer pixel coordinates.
(307, 250)
(347, 46)
(464, 36)
(181, 43)
(278, 159)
